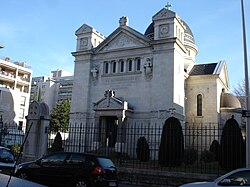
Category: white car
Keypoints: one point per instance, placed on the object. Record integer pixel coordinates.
(6, 180)
(238, 177)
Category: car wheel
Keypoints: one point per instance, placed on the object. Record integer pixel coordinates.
(22, 175)
(81, 183)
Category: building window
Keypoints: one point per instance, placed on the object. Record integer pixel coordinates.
(20, 125)
(130, 64)
(199, 105)
(117, 66)
(21, 113)
(138, 64)
(114, 67)
(106, 67)
(121, 66)
(22, 101)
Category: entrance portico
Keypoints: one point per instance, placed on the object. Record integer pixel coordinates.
(111, 114)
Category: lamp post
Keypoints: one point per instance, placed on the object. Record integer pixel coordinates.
(246, 87)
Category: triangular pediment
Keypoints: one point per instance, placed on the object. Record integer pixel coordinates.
(123, 39)
(111, 103)
(83, 29)
(163, 14)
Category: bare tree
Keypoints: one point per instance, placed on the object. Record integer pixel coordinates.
(239, 92)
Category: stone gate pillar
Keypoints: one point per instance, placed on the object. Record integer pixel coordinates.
(38, 120)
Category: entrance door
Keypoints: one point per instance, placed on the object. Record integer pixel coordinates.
(111, 131)
(108, 130)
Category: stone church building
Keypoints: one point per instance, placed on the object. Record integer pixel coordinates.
(131, 79)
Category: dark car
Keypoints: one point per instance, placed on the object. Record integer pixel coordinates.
(70, 169)
(7, 160)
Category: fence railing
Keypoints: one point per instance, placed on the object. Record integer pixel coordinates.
(138, 147)
(200, 149)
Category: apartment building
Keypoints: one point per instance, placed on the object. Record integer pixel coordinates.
(53, 89)
(15, 84)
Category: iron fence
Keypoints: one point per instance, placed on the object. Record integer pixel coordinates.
(136, 146)
(201, 146)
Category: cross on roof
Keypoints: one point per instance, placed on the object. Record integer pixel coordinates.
(168, 5)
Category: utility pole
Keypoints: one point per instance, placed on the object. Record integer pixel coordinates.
(246, 88)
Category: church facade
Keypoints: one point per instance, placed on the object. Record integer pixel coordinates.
(131, 79)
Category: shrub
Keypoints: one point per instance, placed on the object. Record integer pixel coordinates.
(172, 144)
(16, 149)
(215, 148)
(57, 144)
(142, 149)
(190, 156)
(207, 156)
(232, 146)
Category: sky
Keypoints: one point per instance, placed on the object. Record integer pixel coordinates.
(42, 32)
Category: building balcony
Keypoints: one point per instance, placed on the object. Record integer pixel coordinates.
(65, 90)
(4, 85)
(64, 96)
(23, 81)
(4, 75)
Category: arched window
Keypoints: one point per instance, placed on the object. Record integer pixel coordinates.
(199, 105)
(114, 67)
(130, 65)
(138, 64)
(106, 67)
(121, 66)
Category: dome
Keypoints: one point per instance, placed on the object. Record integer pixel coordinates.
(229, 101)
(188, 30)
(189, 37)
(150, 31)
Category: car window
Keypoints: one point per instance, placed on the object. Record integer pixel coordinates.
(76, 159)
(6, 156)
(105, 162)
(54, 159)
(241, 178)
(91, 162)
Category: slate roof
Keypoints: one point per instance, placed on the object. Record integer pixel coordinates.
(203, 69)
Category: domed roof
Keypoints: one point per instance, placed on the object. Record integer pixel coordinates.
(150, 31)
(189, 37)
(229, 101)
(188, 30)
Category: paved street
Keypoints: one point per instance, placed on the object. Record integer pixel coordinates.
(127, 185)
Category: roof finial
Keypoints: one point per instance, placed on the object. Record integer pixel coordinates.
(168, 6)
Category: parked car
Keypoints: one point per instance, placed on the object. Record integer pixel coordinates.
(70, 169)
(238, 177)
(7, 160)
(16, 182)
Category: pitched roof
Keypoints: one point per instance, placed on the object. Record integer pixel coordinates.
(203, 69)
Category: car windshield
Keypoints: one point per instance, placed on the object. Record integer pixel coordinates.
(105, 162)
